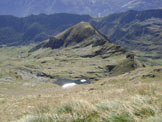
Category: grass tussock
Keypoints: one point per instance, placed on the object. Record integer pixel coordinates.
(132, 97)
(136, 110)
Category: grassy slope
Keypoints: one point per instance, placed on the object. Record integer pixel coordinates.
(82, 52)
(139, 31)
(133, 96)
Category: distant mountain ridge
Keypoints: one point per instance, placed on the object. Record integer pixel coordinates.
(35, 28)
(136, 30)
(140, 31)
(91, 7)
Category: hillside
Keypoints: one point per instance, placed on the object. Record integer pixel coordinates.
(137, 31)
(62, 67)
(82, 34)
(18, 31)
(91, 7)
(84, 42)
(119, 90)
(27, 92)
(140, 31)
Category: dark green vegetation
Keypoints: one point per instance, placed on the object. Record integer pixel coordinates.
(84, 42)
(82, 35)
(17, 31)
(139, 31)
(91, 7)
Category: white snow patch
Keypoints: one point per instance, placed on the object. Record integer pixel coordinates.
(69, 85)
(83, 80)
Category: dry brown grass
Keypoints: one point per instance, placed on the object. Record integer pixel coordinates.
(133, 96)
(112, 99)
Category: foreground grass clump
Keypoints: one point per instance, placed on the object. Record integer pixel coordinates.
(154, 119)
(37, 118)
(74, 111)
(137, 109)
(124, 117)
(145, 111)
(78, 111)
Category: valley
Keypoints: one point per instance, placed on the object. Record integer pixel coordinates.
(122, 88)
(132, 96)
(84, 69)
(137, 31)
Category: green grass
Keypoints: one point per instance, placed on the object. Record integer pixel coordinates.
(124, 117)
(81, 111)
(133, 96)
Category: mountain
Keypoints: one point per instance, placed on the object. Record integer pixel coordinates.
(140, 31)
(74, 73)
(137, 31)
(28, 92)
(82, 33)
(16, 31)
(91, 7)
(85, 42)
